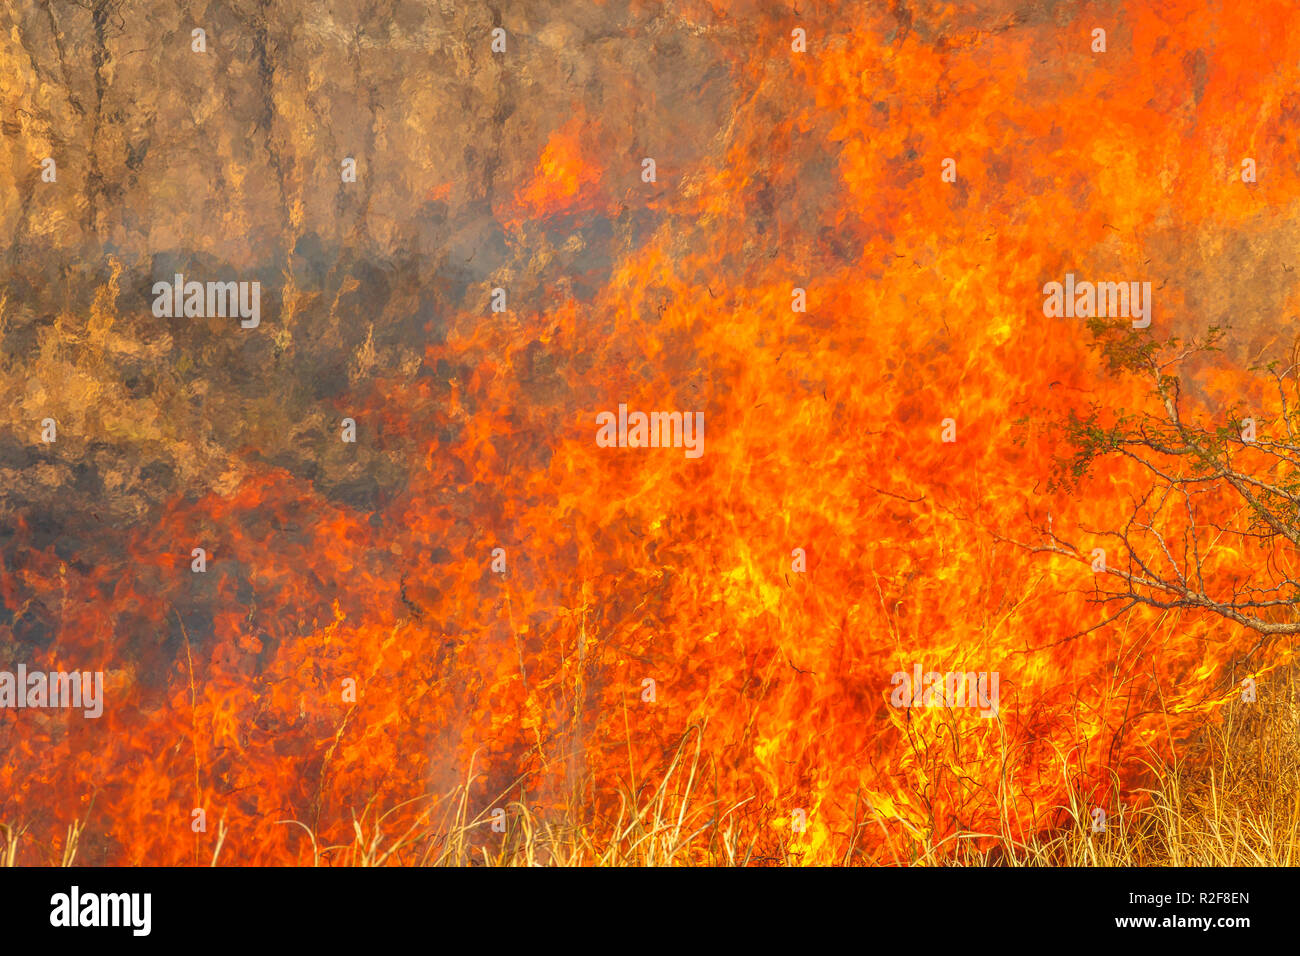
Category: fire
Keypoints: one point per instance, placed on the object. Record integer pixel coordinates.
(500, 590)
(567, 179)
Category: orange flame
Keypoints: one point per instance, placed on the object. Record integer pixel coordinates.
(226, 691)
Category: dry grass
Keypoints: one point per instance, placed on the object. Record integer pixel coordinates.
(1234, 800)
(668, 825)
